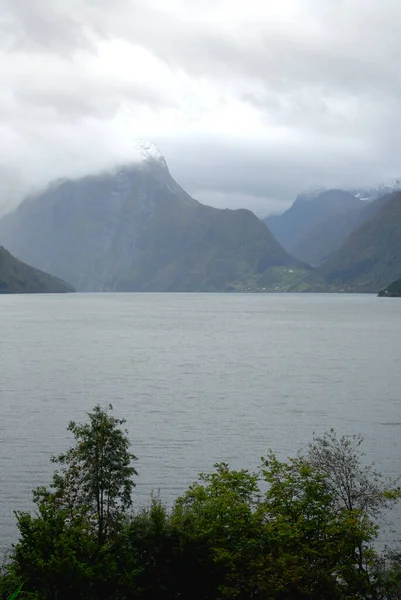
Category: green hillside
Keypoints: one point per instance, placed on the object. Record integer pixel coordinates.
(135, 229)
(368, 259)
(312, 228)
(17, 277)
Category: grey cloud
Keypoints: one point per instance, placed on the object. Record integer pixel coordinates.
(345, 49)
(349, 44)
(265, 177)
(12, 187)
(42, 24)
(262, 206)
(90, 99)
(325, 85)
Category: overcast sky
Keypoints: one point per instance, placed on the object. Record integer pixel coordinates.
(249, 100)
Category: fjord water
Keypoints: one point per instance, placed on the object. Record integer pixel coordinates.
(199, 377)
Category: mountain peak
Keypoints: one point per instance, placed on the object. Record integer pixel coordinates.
(135, 229)
(310, 193)
(368, 259)
(150, 153)
(379, 190)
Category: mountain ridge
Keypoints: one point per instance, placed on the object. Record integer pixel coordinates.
(16, 277)
(293, 229)
(368, 260)
(135, 229)
(317, 223)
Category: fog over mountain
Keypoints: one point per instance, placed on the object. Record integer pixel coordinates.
(370, 257)
(250, 102)
(135, 229)
(319, 221)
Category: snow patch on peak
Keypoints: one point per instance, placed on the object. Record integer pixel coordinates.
(149, 152)
(373, 193)
(367, 194)
(310, 193)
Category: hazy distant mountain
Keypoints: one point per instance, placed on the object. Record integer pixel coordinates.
(369, 194)
(327, 237)
(136, 229)
(17, 277)
(319, 221)
(312, 227)
(370, 257)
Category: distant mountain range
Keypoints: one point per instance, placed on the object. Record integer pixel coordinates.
(17, 277)
(307, 228)
(319, 221)
(369, 259)
(382, 189)
(135, 229)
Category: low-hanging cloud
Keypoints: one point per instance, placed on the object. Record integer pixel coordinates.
(250, 102)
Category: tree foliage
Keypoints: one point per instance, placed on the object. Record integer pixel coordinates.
(312, 539)
(95, 475)
(299, 529)
(67, 549)
(353, 484)
(355, 487)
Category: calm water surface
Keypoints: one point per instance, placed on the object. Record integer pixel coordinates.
(199, 378)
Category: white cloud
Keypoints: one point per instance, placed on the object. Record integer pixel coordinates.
(249, 101)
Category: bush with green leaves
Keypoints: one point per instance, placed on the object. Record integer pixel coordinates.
(300, 529)
(67, 549)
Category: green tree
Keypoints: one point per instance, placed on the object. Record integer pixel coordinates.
(153, 563)
(312, 541)
(96, 474)
(294, 540)
(299, 529)
(69, 548)
(356, 487)
(221, 531)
